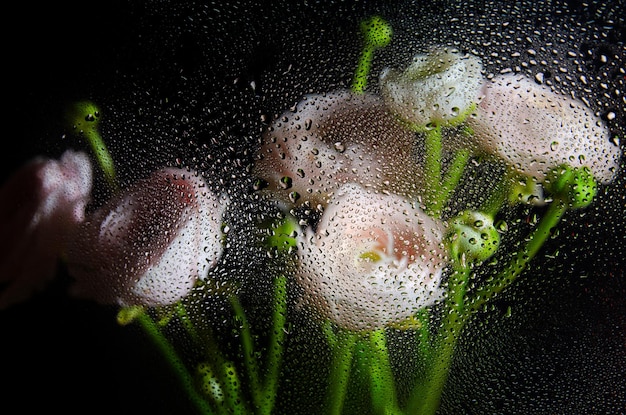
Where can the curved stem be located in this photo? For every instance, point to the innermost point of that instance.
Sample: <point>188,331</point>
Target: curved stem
<point>432,169</point>
<point>340,371</point>
<point>186,380</point>
<point>383,391</point>
<point>276,345</point>
<point>452,177</point>
<point>249,357</point>
<point>425,398</point>
<point>533,244</point>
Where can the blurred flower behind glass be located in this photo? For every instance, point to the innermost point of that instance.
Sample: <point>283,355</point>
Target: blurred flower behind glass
<point>40,206</point>
<point>535,130</point>
<point>374,259</point>
<point>150,243</point>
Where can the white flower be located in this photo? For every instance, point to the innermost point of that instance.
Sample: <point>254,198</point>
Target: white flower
<point>150,244</point>
<point>40,205</point>
<point>437,88</point>
<point>374,260</point>
<point>534,130</point>
<point>333,139</point>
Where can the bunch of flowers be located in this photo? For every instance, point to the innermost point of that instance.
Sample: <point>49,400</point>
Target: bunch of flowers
<point>388,248</point>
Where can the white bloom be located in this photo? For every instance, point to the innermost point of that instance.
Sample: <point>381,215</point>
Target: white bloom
<point>534,130</point>
<point>151,243</point>
<point>437,88</point>
<point>40,205</point>
<point>333,139</point>
<point>374,260</point>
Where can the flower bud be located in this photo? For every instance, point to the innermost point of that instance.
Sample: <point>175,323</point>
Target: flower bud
<point>473,237</point>
<point>40,205</point>
<point>438,88</point>
<point>150,243</point>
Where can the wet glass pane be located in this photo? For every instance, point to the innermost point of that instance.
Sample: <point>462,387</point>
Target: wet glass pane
<point>303,208</point>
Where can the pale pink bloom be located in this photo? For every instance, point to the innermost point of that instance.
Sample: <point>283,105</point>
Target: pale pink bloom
<point>436,88</point>
<point>337,138</point>
<point>150,243</point>
<point>535,129</point>
<point>373,260</point>
<point>40,205</point>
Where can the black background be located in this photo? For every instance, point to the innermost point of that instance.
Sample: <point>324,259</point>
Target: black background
<point>564,348</point>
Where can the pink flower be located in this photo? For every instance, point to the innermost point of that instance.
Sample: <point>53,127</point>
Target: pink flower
<point>150,244</point>
<point>374,259</point>
<point>333,139</point>
<point>40,206</point>
<point>534,130</point>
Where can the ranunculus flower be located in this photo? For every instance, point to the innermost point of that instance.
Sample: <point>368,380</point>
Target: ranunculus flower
<point>534,130</point>
<point>150,243</point>
<point>333,139</point>
<point>437,88</point>
<point>373,260</point>
<point>40,205</point>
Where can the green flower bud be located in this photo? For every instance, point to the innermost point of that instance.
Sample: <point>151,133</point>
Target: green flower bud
<point>575,185</point>
<point>84,116</point>
<point>376,31</point>
<point>473,236</point>
<point>283,235</point>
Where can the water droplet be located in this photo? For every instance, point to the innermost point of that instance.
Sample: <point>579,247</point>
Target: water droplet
<point>286,182</point>
<point>340,147</point>
<point>554,145</point>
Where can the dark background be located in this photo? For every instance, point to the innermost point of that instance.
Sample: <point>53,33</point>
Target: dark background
<point>173,76</point>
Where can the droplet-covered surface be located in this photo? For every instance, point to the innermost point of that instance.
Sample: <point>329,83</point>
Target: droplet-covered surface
<point>184,85</point>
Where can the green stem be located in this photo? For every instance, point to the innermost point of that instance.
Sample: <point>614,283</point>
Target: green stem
<point>103,156</point>
<point>363,67</point>
<point>423,335</point>
<point>232,385</point>
<point>377,34</point>
<point>426,396</point>
<point>186,380</point>
<point>249,356</point>
<point>432,170</point>
<point>383,391</point>
<point>340,371</point>
<point>276,345</point>
<point>533,244</point>
<point>498,196</point>
<point>452,177</point>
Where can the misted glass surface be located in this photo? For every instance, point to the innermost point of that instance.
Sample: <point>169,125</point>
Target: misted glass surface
<point>303,208</point>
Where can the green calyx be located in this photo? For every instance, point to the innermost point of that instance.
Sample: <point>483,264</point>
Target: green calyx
<point>575,185</point>
<point>473,237</point>
<point>282,236</point>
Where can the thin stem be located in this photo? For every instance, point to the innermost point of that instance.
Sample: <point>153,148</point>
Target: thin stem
<point>452,178</point>
<point>423,334</point>
<point>376,34</point>
<point>384,399</point>
<point>276,345</point>
<point>533,244</point>
<point>103,156</point>
<point>426,397</point>
<point>340,371</point>
<point>432,169</point>
<point>247,344</point>
<point>232,385</point>
<point>166,348</point>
